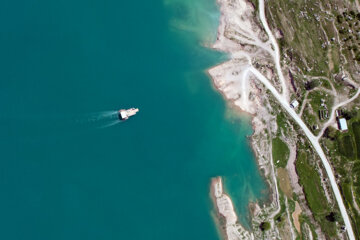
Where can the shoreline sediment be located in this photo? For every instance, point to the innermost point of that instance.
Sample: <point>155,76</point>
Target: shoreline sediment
<point>227,218</point>
<point>245,96</point>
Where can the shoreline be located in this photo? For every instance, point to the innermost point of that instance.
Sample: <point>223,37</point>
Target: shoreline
<point>253,81</point>
<point>239,112</point>
<point>226,217</point>
<point>243,97</point>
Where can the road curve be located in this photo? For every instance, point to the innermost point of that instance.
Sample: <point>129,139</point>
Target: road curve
<point>273,41</point>
<point>314,141</point>
<point>332,116</point>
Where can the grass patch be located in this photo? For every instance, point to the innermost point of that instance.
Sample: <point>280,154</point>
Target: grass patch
<point>317,98</point>
<point>345,146</point>
<point>346,190</point>
<point>301,34</point>
<point>356,130</point>
<point>325,83</point>
<point>304,219</point>
<point>279,218</point>
<point>281,122</point>
<point>310,118</point>
<point>310,180</point>
<point>280,152</point>
<point>346,161</point>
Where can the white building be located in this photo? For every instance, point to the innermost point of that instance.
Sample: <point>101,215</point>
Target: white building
<point>342,124</point>
<point>294,104</point>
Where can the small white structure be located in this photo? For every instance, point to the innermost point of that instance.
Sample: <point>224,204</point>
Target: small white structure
<point>342,124</point>
<point>294,104</point>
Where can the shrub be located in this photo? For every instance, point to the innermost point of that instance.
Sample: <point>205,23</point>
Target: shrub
<point>264,226</point>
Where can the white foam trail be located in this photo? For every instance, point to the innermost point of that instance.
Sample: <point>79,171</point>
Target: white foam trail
<point>97,117</point>
<point>98,120</point>
<point>102,115</point>
<point>111,124</point>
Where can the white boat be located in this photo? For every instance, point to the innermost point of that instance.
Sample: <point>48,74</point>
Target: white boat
<point>124,114</point>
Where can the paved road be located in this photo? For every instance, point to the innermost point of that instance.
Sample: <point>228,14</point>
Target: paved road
<point>314,141</point>
<point>273,41</point>
<point>285,104</point>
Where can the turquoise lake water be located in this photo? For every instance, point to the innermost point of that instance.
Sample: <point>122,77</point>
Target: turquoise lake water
<point>65,66</point>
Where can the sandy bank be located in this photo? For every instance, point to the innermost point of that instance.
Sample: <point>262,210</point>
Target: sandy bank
<point>242,37</point>
<point>225,209</point>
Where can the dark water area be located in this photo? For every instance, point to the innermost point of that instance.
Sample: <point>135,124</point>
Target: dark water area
<point>65,68</point>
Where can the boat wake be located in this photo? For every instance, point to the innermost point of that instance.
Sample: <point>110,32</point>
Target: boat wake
<point>113,123</point>
<point>100,119</point>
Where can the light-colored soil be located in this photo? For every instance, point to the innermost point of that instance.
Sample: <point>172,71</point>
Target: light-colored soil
<point>284,182</point>
<point>225,209</point>
<point>295,217</point>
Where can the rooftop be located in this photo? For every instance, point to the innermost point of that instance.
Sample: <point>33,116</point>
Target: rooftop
<point>342,124</point>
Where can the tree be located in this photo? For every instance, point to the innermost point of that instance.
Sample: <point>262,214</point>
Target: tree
<point>349,114</point>
<point>330,133</point>
<point>332,217</point>
<point>357,58</point>
<point>311,84</point>
<point>264,226</point>
<point>340,19</point>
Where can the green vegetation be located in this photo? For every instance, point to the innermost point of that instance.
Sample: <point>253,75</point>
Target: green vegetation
<point>346,188</point>
<point>280,152</point>
<point>346,146</point>
<point>319,98</point>
<point>310,118</point>
<point>321,39</point>
<point>310,180</point>
<point>305,46</point>
<point>264,226</point>
<point>312,84</point>
<point>318,109</point>
<point>281,216</point>
<point>356,130</point>
<point>348,24</point>
<point>309,177</point>
<point>281,122</point>
<point>304,219</point>
<point>325,83</point>
<point>335,57</point>
<point>346,160</point>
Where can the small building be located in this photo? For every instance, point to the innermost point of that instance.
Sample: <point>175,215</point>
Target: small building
<point>294,104</point>
<point>342,124</point>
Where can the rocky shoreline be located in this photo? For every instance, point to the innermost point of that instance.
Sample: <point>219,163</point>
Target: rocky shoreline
<point>232,80</point>
<point>229,225</point>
